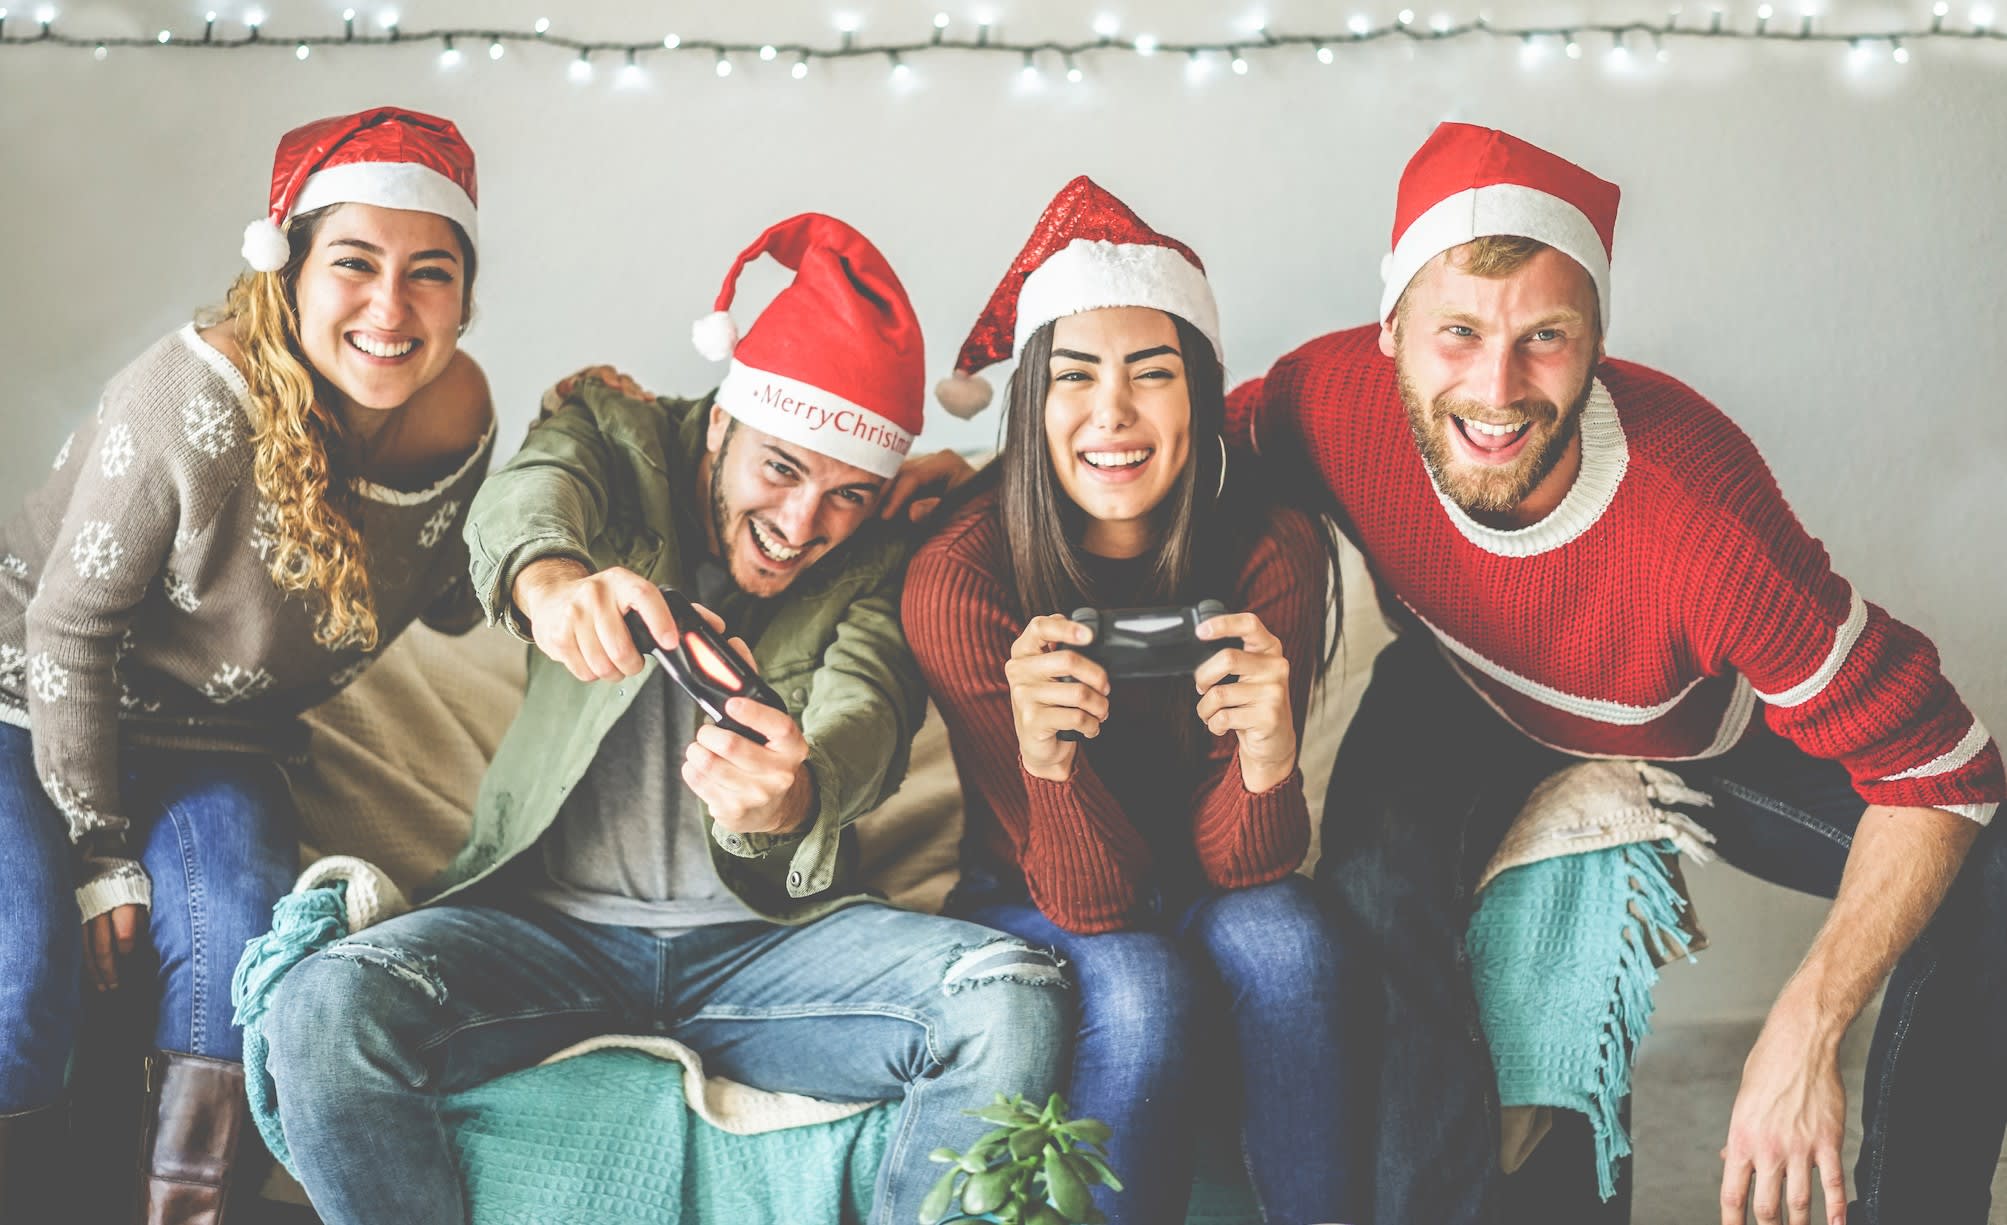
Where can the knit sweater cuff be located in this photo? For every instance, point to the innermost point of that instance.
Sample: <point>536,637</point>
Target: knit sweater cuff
<point>118,882</point>
<point>1083,860</point>
<point>1247,838</point>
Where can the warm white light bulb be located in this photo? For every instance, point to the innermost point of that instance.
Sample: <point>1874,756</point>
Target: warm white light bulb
<point>1406,17</point>
<point>768,52</point>
<point>450,57</point>
<point>387,19</point>
<point>847,23</point>
<point>671,41</point>
<point>1324,55</point>
<point>1440,23</point>
<point>1107,24</point>
<point>254,18</point>
<point>1359,25</point>
<point>1574,50</point>
<point>46,14</point>
<point>165,36</point>
<point>724,65</point>
<point>581,69</point>
<point>1900,55</point>
<point>496,50</point>
<point>940,21</point>
<point>1146,44</point>
<point>1240,65</point>
<point>799,70</point>
<point>543,25</point>
<point>302,51</point>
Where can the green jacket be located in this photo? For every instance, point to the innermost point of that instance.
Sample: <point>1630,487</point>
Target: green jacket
<point>612,481</point>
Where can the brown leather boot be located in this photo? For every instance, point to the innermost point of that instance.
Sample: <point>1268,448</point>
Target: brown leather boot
<point>33,1146</point>
<point>191,1127</point>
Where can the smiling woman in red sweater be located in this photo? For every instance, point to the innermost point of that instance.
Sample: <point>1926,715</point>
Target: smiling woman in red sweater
<point>1158,852</point>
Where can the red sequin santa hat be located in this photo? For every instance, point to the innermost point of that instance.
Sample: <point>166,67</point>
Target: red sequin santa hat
<point>1467,182</point>
<point>388,157</point>
<point>1089,251</point>
<point>835,362</point>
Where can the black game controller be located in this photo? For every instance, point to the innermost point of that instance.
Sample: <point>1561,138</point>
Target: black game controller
<point>709,670</point>
<point>1145,642</point>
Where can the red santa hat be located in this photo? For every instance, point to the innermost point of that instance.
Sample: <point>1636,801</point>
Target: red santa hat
<point>388,157</point>
<point>835,363</point>
<point>1468,182</point>
<point>1089,251</point>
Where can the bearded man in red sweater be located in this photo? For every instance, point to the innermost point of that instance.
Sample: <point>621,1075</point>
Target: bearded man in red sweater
<point>1590,560</point>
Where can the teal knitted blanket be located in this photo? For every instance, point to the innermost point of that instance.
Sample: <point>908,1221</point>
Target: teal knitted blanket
<point>604,1137</point>
<point>607,1137</point>
<point>1561,956</point>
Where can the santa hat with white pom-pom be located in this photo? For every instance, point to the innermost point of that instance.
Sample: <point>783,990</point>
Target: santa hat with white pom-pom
<point>835,362</point>
<point>387,156</point>
<point>1089,251</point>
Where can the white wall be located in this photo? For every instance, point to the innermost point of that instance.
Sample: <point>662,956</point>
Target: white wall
<point>1816,249</point>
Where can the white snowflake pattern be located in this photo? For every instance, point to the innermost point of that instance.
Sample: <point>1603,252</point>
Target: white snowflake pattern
<point>343,677</point>
<point>435,527</point>
<point>211,424</point>
<point>49,679</point>
<point>180,592</point>
<point>63,456</point>
<point>115,454</point>
<point>13,663</point>
<point>13,565</point>
<point>73,804</point>
<point>231,683</point>
<point>264,533</point>
<point>95,551</point>
<point>128,700</point>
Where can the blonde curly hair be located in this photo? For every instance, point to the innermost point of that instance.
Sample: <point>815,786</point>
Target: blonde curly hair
<point>297,441</point>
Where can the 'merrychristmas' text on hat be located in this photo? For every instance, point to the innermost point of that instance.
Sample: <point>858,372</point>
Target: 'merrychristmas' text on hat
<point>835,363</point>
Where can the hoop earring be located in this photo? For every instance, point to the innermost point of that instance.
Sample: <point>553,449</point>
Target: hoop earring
<point>1222,485</point>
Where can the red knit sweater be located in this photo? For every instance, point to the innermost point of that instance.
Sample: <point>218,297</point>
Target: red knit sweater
<point>1085,846</point>
<point>1668,597</point>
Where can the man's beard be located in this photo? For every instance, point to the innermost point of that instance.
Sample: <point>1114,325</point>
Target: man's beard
<point>1492,490</point>
<point>721,515</point>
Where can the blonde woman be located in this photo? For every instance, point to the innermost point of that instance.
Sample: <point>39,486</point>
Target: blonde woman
<point>256,508</point>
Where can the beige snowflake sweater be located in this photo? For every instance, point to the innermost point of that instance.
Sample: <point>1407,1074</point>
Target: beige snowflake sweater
<point>136,606</point>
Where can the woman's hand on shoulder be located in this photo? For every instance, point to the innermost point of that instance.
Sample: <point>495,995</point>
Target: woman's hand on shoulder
<point>1053,689</point>
<point>1255,704</point>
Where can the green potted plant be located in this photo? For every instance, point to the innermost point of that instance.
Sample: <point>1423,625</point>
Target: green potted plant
<point>1036,1168</point>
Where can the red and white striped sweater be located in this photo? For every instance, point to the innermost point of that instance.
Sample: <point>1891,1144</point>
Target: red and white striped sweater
<point>1669,596</point>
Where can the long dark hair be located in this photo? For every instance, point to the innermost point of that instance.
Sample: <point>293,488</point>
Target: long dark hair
<point>1205,532</point>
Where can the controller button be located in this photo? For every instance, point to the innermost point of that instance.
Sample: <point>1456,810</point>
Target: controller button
<point>731,842</point>
<point>794,880</point>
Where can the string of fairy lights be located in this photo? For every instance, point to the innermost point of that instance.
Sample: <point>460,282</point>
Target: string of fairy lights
<point>980,34</point>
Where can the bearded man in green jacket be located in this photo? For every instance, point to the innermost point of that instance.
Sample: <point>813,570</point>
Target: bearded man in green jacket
<point>632,871</point>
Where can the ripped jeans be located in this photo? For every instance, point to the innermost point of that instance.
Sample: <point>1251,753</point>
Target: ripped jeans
<point>866,1004</point>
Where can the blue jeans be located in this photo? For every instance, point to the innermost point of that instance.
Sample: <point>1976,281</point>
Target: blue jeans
<point>865,1004</point>
<point>1247,982</point>
<point>1424,786</point>
<point>215,831</point>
